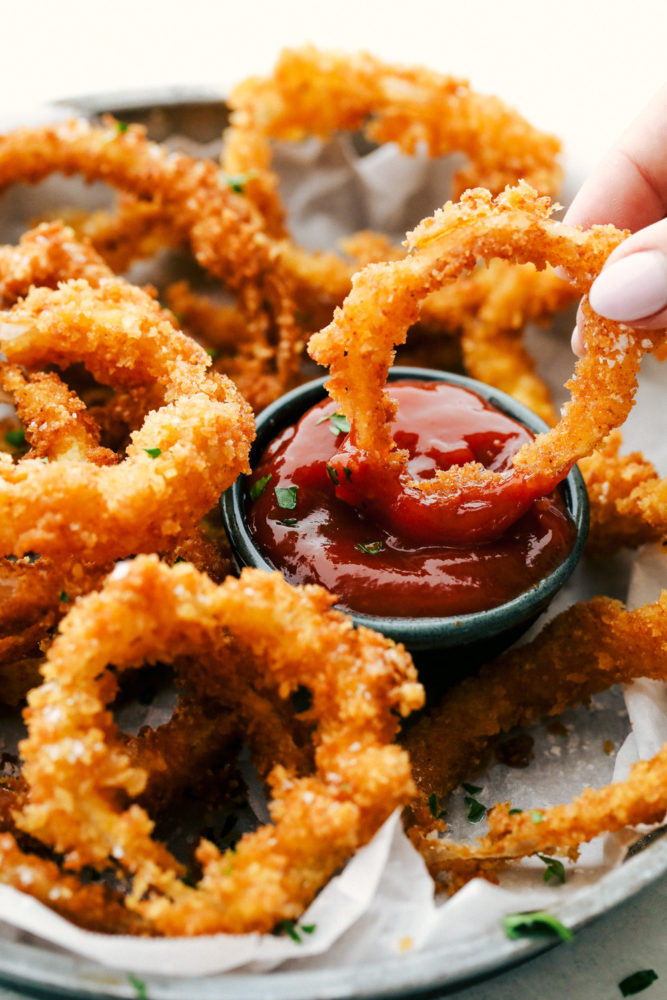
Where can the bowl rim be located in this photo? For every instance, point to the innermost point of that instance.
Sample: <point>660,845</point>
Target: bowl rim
<point>433,632</point>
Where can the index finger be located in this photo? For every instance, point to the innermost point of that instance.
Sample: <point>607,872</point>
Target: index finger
<point>629,187</point>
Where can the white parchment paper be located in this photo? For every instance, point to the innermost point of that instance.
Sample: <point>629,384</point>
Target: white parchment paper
<point>383,903</point>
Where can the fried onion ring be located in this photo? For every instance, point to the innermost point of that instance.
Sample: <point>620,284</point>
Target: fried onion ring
<point>623,492</point>
<point>178,462</point>
<point>283,637</point>
<point>319,93</point>
<point>411,107</point>
<point>585,650</point>
<point>224,231</point>
<point>469,501</point>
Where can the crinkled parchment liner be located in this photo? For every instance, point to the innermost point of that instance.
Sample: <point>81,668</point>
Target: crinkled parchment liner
<point>383,904</point>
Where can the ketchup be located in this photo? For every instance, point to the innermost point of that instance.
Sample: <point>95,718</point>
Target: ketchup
<point>314,536</point>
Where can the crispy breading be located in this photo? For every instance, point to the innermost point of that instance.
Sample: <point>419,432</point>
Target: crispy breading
<point>284,637</point>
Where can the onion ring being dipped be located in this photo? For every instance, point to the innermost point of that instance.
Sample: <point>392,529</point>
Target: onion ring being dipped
<point>469,502</point>
<point>270,636</point>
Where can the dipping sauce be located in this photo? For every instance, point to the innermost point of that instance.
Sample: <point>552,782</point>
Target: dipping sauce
<point>311,536</point>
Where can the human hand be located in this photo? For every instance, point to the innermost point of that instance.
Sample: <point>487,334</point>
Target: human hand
<point>629,189</point>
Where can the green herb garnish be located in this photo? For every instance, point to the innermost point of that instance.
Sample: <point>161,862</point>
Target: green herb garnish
<point>64,598</point>
<point>476,811</point>
<point>370,548</point>
<point>179,559</point>
<point>237,181</point>
<point>287,927</point>
<point>555,869</point>
<point>153,452</point>
<point>258,487</point>
<point>16,439</point>
<point>213,352</point>
<point>348,473</point>
<point>292,929</point>
<point>141,992</point>
<point>333,475</point>
<point>434,806</point>
<point>122,127</point>
<point>536,816</point>
<point>286,497</point>
<point>637,982</point>
<point>338,423</point>
<point>535,924</point>
<point>289,522</point>
<point>472,789</point>
<point>515,812</point>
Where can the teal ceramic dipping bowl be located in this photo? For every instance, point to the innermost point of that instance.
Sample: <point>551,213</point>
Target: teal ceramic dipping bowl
<point>469,638</point>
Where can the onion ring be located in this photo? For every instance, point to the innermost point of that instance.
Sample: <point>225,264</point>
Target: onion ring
<point>358,347</point>
<point>623,491</point>
<point>284,637</point>
<point>585,650</point>
<point>224,231</point>
<point>178,462</point>
<point>319,93</point>
<point>93,906</point>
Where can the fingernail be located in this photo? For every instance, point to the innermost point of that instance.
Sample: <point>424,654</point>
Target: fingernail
<point>633,287</point>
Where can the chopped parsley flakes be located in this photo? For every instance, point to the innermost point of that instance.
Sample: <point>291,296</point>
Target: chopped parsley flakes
<point>237,182</point>
<point>370,548</point>
<point>258,487</point>
<point>16,439</point>
<point>434,806</point>
<point>539,923</point>
<point>333,475</point>
<point>555,869</point>
<point>637,982</point>
<point>140,990</point>
<point>292,930</point>
<point>153,452</point>
<point>286,497</point>
<point>476,811</point>
<point>338,423</point>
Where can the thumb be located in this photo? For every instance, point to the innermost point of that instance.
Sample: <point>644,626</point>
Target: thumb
<point>632,286</point>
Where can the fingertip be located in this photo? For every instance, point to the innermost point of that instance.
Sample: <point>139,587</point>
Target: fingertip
<point>564,275</point>
<point>633,288</point>
<point>577,341</point>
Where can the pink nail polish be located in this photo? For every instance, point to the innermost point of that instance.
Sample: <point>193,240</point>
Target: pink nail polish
<point>633,287</point>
